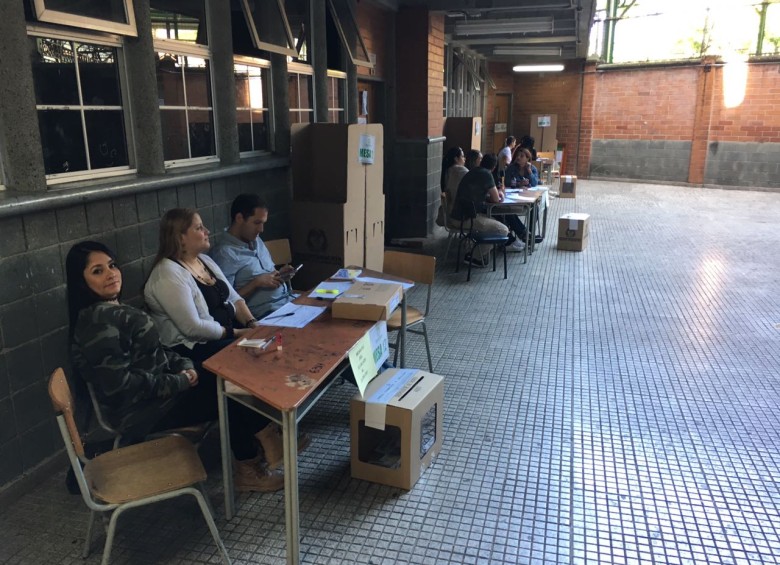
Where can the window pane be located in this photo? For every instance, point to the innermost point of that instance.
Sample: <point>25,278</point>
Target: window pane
<point>174,129</point>
<point>250,87</point>
<point>63,141</point>
<point>198,81</point>
<point>349,32</point>
<point>268,26</point>
<point>292,91</point>
<point>244,121</point>
<point>183,21</point>
<point>260,130</point>
<point>54,73</point>
<point>107,139</point>
<point>170,84</point>
<point>99,75</point>
<point>110,10</point>
<point>202,142</point>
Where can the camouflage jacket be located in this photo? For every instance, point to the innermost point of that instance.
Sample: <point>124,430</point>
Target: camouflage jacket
<point>117,349</point>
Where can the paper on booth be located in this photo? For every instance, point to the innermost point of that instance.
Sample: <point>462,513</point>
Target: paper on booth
<point>376,405</point>
<point>368,354</point>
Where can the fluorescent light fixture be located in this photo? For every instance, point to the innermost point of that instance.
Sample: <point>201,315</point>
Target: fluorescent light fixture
<point>537,68</point>
<point>495,27</point>
<point>541,51</point>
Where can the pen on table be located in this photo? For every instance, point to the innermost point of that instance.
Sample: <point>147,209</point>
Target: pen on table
<point>268,342</point>
<point>279,316</point>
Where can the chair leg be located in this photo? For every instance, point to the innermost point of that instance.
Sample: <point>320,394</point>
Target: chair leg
<point>504,261</point>
<point>495,256</point>
<point>427,346</point>
<point>88,541</point>
<point>395,355</point>
<point>204,508</point>
<point>457,259</point>
<point>110,535</point>
<point>468,276</point>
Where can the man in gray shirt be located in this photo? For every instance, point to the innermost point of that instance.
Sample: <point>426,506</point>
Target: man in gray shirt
<point>245,260</point>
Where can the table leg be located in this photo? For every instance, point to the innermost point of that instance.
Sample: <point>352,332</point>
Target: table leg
<point>291,501</point>
<point>544,222</point>
<point>402,332</point>
<point>227,456</point>
<point>529,234</point>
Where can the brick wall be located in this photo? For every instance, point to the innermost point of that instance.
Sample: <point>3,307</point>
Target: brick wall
<point>33,304</point>
<point>657,122</point>
<point>435,74</point>
<point>373,21</point>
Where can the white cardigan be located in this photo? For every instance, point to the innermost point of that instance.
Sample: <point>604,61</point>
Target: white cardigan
<point>177,305</point>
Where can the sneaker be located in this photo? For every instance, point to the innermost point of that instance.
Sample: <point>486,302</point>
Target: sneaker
<point>251,475</point>
<point>516,245</point>
<point>539,239</point>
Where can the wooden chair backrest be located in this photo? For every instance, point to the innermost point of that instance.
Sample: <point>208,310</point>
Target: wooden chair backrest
<point>412,266</point>
<point>279,250</point>
<point>62,399</point>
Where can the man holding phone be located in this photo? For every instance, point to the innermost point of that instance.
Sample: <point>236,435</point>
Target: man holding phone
<point>246,261</point>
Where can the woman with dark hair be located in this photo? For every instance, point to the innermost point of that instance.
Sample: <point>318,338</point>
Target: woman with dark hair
<point>473,159</point>
<point>452,171</point>
<point>141,386</point>
<point>196,310</point>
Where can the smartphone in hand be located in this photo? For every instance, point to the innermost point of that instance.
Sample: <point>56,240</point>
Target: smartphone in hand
<point>290,274</point>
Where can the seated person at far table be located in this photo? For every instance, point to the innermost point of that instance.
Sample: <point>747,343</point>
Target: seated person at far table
<point>478,187</point>
<point>245,260</point>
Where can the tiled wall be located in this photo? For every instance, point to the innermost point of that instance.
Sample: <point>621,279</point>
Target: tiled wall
<point>731,163</point>
<point>415,200</point>
<point>640,159</point>
<point>33,305</point>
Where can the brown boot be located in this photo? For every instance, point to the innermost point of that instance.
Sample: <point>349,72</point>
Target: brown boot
<point>252,475</point>
<point>270,438</point>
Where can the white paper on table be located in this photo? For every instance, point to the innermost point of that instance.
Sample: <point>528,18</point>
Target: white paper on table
<point>330,290</point>
<point>375,280</point>
<point>292,316</point>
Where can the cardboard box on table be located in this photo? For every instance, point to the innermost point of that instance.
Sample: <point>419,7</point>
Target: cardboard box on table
<point>396,427</point>
<point>336,197</point>
<point>368,301</point>
<point>568,186</point>
<point>573,232</point>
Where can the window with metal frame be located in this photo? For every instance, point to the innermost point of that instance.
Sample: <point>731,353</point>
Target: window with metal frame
<point>336,86</point>
<point>186,109</point>
<point>299,85</point>
<point>79,101</point>
<point>182,21</point>
<point>268,26</point>
<point>346,25</point>
<point>252,101</point>
<point>112,16</point>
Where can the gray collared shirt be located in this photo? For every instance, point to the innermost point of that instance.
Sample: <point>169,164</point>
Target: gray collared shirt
<point>241,262</point>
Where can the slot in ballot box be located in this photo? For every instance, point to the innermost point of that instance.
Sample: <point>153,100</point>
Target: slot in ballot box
<point>396,427</point>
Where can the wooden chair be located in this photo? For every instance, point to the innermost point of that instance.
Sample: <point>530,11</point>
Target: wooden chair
<point>420,269</point>
<point>130,476</point>
<point>467,214</point>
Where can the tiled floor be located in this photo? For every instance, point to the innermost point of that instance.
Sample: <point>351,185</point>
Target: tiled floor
<point>618,405</point>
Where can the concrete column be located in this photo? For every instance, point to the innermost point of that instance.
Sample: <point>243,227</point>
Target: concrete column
<point>281,104</point>
<point>20,140</point>
<point>352,94</point>
<point>142,94</point>
<point>700,140</point>
<point>318,52</point>
<point>221,44</point>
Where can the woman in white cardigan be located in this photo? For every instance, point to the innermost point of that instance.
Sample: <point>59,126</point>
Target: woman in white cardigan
<point>198,313</point>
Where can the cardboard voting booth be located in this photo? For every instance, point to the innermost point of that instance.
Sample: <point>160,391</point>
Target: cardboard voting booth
<point>568,186</point>
<point>396,427</point>
<point>573,231</point>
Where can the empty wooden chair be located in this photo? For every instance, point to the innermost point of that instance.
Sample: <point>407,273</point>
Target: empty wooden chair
<point>129,476</point>
<point>420,269</point>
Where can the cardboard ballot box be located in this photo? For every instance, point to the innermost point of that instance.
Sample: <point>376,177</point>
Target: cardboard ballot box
<point>396,427</point>
<point>568,186</point>
<point>573,232</point>
<point>368,301</point>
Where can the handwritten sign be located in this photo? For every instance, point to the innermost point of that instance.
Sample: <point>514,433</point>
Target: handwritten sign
<point>543,121</point>
<point>368,354</point>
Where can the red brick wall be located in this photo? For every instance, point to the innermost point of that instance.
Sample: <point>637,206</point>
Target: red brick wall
<point>374,22</point>
<point>757,119</point>
<point>420,79</point>
<point>649,104</point>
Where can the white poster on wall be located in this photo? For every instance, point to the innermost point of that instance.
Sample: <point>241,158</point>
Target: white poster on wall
<point>544,121</point>
<point>366,149</point>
